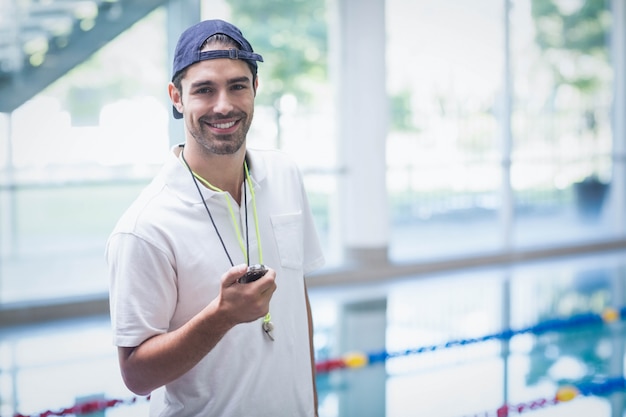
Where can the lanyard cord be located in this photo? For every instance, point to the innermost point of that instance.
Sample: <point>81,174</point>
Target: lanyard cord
<point>268,317</point>
<point>254,212</point>
<point>193,177</point>
<point>246,249</point>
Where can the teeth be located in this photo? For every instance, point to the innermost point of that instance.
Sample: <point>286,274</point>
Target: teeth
<point>223,125</point>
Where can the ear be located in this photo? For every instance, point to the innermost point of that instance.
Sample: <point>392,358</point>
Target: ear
<point>175,96</point>
<point>256,84</point>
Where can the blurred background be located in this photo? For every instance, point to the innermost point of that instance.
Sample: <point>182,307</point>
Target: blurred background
<point>465,162</point>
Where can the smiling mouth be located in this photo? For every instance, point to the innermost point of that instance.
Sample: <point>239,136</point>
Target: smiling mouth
<point>222,125</point>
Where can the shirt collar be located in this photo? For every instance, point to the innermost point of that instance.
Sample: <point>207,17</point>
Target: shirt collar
<point>178,178</point>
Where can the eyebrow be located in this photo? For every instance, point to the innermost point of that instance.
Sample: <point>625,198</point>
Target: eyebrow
<point>231,81</point>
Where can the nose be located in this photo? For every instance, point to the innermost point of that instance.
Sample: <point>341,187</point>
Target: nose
<point>222,104</point>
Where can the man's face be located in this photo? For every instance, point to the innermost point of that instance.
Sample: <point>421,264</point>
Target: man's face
<point>218,104</point>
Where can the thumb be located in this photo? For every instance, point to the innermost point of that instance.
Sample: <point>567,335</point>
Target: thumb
<point>233,274</point>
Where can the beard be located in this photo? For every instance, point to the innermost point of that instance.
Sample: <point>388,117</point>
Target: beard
<point>217,144</point>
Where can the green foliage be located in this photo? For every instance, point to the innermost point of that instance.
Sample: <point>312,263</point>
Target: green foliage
<point>584,30</point>
<point>291,35</point>
<point>571,34</point>
<point>401,111</point>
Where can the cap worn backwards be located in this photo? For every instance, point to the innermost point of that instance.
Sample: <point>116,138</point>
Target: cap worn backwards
<point>189,47</point>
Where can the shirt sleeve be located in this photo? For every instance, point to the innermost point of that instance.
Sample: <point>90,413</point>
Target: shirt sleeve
<point>143,290</point>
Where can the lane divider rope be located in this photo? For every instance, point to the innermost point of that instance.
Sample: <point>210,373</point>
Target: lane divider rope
<point>361,359</point>
<point>353,360</point>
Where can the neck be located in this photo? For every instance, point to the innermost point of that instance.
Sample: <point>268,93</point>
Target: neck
<point>221,171</point>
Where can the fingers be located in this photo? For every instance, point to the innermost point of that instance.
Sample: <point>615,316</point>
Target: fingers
<point>233,274</point>
<point>267,286</point>
<point>247,301</point>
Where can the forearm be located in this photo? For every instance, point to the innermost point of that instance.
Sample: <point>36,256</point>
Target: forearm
<point>165,357</point>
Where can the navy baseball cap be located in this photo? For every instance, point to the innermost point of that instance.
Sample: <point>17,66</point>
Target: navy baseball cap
<point>188,49</point>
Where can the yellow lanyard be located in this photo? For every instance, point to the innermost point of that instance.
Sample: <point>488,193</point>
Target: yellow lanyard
<point>267,324</point>
<point>233,217</point>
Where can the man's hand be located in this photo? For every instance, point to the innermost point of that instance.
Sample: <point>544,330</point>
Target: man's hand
<point>165,357</point>
<point>246,302</point>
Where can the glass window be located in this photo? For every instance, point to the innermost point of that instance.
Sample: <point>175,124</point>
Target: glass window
<point>444,79</point>
<point>80,152</point>
<point>562,137</point>
<point>449,155</point>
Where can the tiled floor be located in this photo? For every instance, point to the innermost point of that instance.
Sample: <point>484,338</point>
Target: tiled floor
<point>49,367</point>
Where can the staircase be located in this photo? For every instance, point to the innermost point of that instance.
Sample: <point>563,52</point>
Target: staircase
<point>41,40</point>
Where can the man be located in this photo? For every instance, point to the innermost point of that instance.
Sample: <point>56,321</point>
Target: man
<point>189,330</point>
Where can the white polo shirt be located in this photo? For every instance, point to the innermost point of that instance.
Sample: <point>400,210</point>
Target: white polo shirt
<point>166,261</point>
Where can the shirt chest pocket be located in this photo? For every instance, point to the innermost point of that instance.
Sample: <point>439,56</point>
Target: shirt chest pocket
<point>289,240</point>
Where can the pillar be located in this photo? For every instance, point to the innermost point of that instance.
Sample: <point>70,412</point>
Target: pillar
<point>357,48</point>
